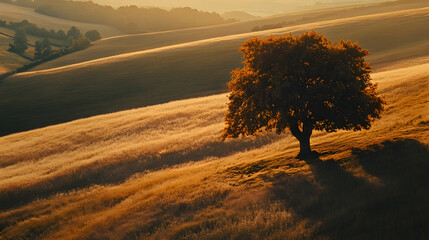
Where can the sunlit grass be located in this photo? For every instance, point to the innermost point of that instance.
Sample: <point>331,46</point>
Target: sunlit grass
<point>162,172</point>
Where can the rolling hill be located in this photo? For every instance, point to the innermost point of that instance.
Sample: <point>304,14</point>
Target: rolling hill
<point>40,98</point>
<point>162,172</point>
<point>138,42</point>
<point>9,12</point>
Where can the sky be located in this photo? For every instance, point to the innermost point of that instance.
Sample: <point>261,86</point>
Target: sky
<point>255,7</point>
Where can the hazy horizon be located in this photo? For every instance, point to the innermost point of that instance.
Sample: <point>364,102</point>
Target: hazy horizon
<point>255,7</point>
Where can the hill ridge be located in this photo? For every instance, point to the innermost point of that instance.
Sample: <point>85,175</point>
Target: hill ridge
<point>227,38</point>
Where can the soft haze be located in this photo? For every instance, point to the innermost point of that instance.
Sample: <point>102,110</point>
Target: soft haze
<point>256,7</point>
<point>120,137</point>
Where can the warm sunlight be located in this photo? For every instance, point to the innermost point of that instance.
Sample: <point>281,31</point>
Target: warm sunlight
<point>133,122</point>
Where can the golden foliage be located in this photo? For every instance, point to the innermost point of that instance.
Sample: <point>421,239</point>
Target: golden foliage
<point>301,83</point>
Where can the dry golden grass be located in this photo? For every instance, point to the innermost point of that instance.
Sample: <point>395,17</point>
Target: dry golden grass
<point>161,172</point>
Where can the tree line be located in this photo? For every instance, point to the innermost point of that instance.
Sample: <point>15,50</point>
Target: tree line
<point>46,55</point>
<point>77,45</point>
<point>43,49</point>
<point>131,19</point>
<point>33,29</point>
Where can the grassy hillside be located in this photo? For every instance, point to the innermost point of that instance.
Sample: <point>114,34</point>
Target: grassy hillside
<point>138,42</point>
<point>161,172</point>
<point>41,98</point>
<point>9,12</point>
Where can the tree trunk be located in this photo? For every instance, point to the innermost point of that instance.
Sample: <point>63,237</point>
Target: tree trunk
<point>304,140</point>
<point>304,146</point>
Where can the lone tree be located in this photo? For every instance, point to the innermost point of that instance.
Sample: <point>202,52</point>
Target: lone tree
<point>301,83</point>
<point>20,41</point>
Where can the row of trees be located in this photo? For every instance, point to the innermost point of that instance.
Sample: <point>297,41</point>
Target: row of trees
<point>131,19</point>
<point>34,30</point>
<point>30,28</point>
<point>77,45</point>
<point>43,48</point>
<point>74,33</point>
<point>44,51</point>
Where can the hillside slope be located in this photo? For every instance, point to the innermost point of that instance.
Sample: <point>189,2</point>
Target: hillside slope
<point>162,172</point>
<point>9,12</point>
<point>41,98</point>
<point>138,42</point>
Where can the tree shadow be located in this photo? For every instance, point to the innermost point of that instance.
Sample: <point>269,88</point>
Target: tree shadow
<point>350,207</point>
<point>402,163</point>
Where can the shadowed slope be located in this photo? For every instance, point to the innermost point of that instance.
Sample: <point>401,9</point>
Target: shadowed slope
<point>374,180</point>
<point>391,206</point>
<point>51,96</point>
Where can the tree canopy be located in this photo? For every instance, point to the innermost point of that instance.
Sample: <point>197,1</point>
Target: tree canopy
<point>93,35</point>
<point>301,83</point>
<point>74,33</point>
<point>42,49</point>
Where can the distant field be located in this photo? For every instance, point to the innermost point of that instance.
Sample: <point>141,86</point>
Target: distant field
<point>8,60</point>
<point>138,42</point>
<point>161,172</point>
<point>15,13</point>
<point>181,71</point>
